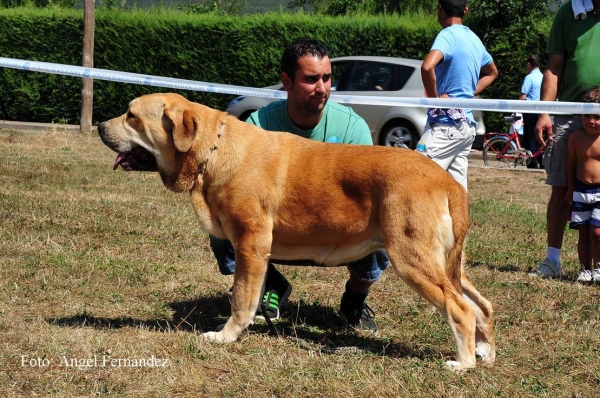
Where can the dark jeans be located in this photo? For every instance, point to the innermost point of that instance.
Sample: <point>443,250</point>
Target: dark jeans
<point>529,141</point>
<point>369,268</point>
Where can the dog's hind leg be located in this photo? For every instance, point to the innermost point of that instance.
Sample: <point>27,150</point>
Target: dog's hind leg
<point>251,255</point>
<point>485,346</point>
<point>425,273</point>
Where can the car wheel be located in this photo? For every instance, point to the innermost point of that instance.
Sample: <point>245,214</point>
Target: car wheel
<point>399,132</point>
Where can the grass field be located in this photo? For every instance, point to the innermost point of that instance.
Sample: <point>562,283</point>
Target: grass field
<point>106,282</point>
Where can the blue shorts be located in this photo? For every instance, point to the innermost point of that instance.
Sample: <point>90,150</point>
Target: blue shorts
<point>585,208</point>
<point>368,269</point>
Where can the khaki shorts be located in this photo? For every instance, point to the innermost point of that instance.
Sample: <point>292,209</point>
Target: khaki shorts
<point>555,155</point>
<point>449,146</point>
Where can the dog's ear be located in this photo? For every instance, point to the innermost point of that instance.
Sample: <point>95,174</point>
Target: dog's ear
<point>184,128</point>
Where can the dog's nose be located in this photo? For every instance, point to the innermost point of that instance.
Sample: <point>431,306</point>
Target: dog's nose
<point>101,128</point>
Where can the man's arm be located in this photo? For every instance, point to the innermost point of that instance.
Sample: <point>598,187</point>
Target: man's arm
<point>525,87</point>
<point>487,75</point>
<point>428,72</point>
<point>552,77</point>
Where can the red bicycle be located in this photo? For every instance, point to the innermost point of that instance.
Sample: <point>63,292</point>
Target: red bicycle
<point>506,147</point>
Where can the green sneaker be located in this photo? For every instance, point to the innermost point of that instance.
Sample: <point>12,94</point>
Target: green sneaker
<point>277,291</point>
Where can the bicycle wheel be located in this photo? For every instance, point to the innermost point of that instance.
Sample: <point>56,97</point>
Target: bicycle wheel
<point>496,148</point>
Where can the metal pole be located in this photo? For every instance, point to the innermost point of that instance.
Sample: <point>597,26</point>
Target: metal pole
<point>87,92</point>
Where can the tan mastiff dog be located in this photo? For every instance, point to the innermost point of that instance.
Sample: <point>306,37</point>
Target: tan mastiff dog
<point>276,195</point>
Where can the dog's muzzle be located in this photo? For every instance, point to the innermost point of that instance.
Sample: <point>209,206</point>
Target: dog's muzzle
<point>134,159</point>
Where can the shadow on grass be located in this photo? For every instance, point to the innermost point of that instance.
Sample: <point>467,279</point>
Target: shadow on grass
<point>314,326</point>
<point>203,314</point>
<point>567,277</point>
<point>497,267</point>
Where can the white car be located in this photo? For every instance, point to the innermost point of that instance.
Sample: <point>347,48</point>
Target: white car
<point>372,76</point>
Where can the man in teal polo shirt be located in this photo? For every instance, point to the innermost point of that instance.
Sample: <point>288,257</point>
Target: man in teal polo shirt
<point>306,76</point>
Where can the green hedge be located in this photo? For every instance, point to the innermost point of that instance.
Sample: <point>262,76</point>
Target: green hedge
<point>231,50</point>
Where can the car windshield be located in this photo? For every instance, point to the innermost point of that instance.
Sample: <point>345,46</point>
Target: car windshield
<point>369,76</point>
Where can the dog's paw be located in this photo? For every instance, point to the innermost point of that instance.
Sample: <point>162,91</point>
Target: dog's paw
<point>456,366</point>
<point>484,352</point>
<point>219,337</point>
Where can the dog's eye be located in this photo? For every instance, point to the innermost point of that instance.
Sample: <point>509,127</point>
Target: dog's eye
<point>130,115</point>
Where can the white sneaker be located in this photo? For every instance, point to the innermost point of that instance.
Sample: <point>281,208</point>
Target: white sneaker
<point>585,275</point>
<point>548,269</point>
<point>596,275</point>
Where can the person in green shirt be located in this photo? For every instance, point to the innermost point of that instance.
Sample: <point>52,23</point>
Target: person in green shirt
<point>307,112</point>
<point>571,71</point>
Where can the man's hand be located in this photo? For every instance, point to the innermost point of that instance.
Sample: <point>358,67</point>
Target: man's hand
<point>549,92</point>
<point>544,124</point>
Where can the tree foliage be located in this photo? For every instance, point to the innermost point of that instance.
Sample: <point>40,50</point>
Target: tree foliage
<point>222,7</point>
<point>510,30</point>
<point>37,3</point>
<point>370,7</point>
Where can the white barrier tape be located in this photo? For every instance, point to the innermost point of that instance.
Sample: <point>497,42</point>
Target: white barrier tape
<point>508,106</point>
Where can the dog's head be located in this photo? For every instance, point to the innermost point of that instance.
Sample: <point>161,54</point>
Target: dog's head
<point>157,133</point>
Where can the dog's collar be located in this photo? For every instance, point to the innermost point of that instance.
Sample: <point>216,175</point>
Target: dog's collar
<point>202,166</point>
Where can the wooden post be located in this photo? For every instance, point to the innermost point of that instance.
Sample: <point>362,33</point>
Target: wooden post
<point>87,92</point>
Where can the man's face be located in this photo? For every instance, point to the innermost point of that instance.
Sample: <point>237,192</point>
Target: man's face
<point>311,88</point>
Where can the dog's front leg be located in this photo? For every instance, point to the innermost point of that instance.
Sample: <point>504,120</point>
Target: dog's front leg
<point>250,272</point>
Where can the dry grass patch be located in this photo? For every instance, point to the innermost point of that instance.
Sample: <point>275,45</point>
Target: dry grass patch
<point>111,270</point>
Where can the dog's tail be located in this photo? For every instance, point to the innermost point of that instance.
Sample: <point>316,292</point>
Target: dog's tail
<point>458,206</point>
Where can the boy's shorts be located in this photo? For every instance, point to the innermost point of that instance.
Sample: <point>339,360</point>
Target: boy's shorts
<point>585,208</point>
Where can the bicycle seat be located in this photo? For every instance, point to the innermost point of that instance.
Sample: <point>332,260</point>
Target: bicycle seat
<point>512,118</point>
